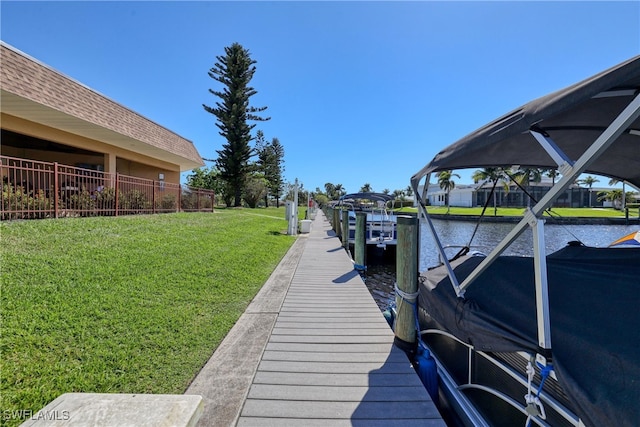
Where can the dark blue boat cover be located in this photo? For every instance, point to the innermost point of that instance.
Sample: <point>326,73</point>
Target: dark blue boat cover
<point>594,297</point>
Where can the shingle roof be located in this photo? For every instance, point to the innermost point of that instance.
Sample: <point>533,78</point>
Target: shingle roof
<point>29,79</point>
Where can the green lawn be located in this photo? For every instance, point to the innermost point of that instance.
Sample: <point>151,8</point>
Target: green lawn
<point>131,304</point>
<point>562,212</point>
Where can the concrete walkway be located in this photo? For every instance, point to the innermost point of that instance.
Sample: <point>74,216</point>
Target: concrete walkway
<point>312,349</point>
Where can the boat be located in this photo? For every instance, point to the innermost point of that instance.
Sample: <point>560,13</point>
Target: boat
<point>550,339</point>
<point>380,228</point>
<point>630,240</point>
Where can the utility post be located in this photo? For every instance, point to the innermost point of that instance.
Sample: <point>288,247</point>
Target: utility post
<point>293,212</point>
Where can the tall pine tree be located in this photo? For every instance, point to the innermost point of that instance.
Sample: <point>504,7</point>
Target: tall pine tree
<point>234,70</point>
<point>271,164</point>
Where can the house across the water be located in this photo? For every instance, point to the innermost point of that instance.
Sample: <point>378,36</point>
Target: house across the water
<point>472,195</point>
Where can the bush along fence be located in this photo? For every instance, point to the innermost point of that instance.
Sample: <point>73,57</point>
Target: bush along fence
<point>33,189</point>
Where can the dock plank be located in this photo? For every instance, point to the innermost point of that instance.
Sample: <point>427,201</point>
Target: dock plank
<point>337,379</point>
<point>297,422</point>
<point>325,339</point>
<point>334,367</point>
<point>330,322</point>
<point>312,330</point>
<point>312,356</point>
<point>339,409</point>
<point>336,393</point>
<point>329,348</point>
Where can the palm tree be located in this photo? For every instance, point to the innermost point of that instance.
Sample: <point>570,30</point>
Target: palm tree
<point>366,188</point>
<point>613,182</point>
<point>525,176</point>
<point>494,175</point>
<point>588,181</point>
<point>334,191</point>
<point>615,196</point>
<point>446,183</point>
<point>330,190</point>
<point>553,174</point>
<point>408,191</point>
<point>398,195</point>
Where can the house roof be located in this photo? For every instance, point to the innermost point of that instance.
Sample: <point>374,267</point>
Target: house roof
<point>36,92</point>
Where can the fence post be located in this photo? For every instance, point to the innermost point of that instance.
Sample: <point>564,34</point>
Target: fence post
<point>407,283</point>
<point>153,196</point>
<point>198,200</point>
<point>179,207</point>
<point>56,187</point>
<point>116,196</point>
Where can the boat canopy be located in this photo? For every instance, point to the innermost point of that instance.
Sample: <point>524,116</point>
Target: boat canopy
<point>590,127</point>
<point>572,118</point>
<point>376,197</point>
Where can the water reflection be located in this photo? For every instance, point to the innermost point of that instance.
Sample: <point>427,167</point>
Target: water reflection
<point>381,277</point>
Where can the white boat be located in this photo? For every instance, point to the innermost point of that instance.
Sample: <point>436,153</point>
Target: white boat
<point>380,226</point>
<point>548,340</point>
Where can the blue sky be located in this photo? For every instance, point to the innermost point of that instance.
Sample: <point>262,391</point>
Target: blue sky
<point>358,92</point>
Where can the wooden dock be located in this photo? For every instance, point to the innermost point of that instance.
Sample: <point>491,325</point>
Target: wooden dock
<point>329,359</point>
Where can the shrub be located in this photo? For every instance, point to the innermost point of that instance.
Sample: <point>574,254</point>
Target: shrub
<point>18,199</point>
<point>134,201</point>
<point>189,201</point>
<point>82,201</point>
<point>105,199</point>
<point>168,202</point>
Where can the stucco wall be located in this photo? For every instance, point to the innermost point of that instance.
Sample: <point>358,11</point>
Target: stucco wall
<point>128,162</point>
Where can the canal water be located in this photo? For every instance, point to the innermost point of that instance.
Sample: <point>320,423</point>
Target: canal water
<point>381,276</point>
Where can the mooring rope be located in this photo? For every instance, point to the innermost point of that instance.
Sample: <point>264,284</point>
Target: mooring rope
<point>408,297</point>
<point>411,299</point>
<point>534,407</point>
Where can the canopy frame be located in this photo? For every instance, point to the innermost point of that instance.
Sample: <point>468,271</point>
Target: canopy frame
<point>533,217</point>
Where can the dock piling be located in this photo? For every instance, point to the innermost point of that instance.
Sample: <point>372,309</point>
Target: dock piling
<point>336,222</point>
<point>345,229</point>
<point>360,244</point>
<point>407,283</point>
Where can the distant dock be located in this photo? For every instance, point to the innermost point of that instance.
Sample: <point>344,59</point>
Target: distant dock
<point>313,349</point>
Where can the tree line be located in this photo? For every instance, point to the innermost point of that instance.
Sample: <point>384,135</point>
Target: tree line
<point>523,177</point>
<point>335,191</point>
